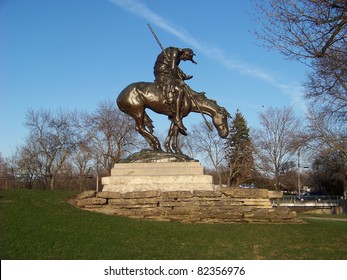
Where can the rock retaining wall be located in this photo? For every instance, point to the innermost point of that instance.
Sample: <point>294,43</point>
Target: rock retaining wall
<point>226,205</point>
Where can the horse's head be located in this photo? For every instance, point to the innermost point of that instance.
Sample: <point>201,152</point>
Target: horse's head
<point>220,121</point>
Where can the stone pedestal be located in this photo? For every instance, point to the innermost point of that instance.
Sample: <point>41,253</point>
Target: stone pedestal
<point>157,176</point>
<point>224,205</point>
<point>169,187</point>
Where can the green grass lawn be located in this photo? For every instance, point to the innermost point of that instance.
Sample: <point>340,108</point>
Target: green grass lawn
<point>41,225</point>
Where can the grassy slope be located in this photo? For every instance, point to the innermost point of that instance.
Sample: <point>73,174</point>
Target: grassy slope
<point>41,225</point>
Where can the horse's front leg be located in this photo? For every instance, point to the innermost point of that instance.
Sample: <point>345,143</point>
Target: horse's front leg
<point>168,139</point>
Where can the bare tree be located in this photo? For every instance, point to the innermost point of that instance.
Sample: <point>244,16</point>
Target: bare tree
<point>322,134</point>
<point>273,142</point>
<point>326,87</point>
<point>83,159</point>
<point>25,162</point>
<point>313,32</point>
<point>54,139</point>
<point>302,29</point>
<point>111,134</point>
<point>5,173</point>
<point>63,143</point>
<point>211,146</point>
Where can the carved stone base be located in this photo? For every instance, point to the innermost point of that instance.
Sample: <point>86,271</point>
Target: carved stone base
<point>157,176</point>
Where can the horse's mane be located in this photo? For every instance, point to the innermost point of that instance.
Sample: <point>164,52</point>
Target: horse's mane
<point>201,98</point>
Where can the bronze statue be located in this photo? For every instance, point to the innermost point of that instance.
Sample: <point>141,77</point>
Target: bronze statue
<point>171,96</point>
<point>137,97</point>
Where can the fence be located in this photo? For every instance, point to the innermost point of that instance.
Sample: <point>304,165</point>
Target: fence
<point>74,182</point>
<point>337,204</point>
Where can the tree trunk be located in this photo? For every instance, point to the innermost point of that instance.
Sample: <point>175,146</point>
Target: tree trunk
<point>52,183</point>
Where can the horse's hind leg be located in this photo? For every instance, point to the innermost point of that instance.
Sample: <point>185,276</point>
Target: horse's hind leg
<point>148,122</point>
<point>175,145</point>
<point>150,138</point>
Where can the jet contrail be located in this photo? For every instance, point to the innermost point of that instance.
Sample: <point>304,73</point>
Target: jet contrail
<point>140,10</point>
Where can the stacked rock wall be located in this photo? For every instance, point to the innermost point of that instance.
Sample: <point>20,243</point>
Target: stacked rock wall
<point>226,205</point>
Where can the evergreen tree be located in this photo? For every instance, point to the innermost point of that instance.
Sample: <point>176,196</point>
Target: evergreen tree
<point>329,172</point>
<point>239,152</point>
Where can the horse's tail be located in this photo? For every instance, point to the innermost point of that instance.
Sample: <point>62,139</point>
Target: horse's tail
<point>148,122</point>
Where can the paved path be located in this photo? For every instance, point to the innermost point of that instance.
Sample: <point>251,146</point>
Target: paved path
<point>325,219</point>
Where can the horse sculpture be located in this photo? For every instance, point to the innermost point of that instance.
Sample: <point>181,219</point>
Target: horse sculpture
<point>137,97</point>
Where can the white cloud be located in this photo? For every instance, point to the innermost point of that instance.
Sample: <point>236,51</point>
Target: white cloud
<point>140,10</point>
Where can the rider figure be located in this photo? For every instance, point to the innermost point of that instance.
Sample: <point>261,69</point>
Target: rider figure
<point>170,78</point>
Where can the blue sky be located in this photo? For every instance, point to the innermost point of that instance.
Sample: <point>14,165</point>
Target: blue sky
<point>74,54</point>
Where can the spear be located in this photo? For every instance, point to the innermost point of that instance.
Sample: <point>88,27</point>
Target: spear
<point>191,95</point>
